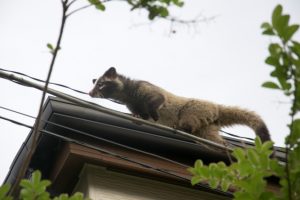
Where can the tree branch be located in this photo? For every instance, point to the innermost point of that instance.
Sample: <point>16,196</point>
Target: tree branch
<point>78,9</point>
<point>26,163</point>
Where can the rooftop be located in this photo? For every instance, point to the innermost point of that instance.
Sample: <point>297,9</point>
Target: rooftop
<point>72,135</point>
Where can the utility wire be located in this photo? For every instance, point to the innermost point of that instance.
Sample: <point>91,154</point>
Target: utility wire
<point>16,122</point>
<point>17,112</point>
<point>42,81</point>
<point>88,135</point>
<point>14,111</point>
<point>116,155</point>
<point>237,136</point>
<point>102,109</point>
<point>57,84</point>
<point>101,149</point>
<point>80,132</point>
<point>81,92</point>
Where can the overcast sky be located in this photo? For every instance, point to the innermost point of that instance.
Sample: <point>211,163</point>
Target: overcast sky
<point>221,60</point>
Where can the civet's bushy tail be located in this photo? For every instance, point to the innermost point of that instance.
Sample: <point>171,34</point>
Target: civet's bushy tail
<point>233,115</point>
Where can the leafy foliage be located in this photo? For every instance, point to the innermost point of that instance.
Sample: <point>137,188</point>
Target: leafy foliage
<point>3,192</point>
<point>98,4</point>
<point>247,176</point>
<point>35,188</point>
<point>156,8</point>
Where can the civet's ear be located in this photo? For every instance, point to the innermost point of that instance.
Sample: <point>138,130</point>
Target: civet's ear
<point>94,80</point>
<point>111,73</point>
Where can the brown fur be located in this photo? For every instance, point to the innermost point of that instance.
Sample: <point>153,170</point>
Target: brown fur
<point>198,117</point>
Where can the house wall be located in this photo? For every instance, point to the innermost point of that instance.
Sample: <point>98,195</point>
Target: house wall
<point>100,184</point>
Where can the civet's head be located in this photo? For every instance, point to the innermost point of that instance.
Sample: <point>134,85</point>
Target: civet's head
<point>108,85</point>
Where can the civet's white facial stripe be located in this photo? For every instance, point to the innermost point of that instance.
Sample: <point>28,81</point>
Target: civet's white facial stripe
<point>94,92</point>
<point>101,87</point>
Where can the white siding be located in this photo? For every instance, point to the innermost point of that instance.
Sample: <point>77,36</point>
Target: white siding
<point>100,184</point>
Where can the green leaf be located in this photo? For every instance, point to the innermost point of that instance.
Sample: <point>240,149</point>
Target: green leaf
<point>274,61</point>
<point>277,168</point>
<point>276,14</point>
<point>266,25</point>
<point>267,146</point>
<point>293,138</point>
<point>296,48</point>
<point>98,4</point>
<point>192,170</point>
<point>275,49</point>
<point>3,192</point>
<point>268,32</point>
<point>279,21</point>
<point>26,184</point>
<point>258,142</point>
<point>291,30</point>
<point>239,154</point>
<point>204,171</point>
<point>178,3</point>
<point>198,164</point>
<point>241,195</point>
<point>253,157</point>
<point>163,12</point>
<point>76,196</point>
<point>225,185</point>
<point>50,46</point>
<point>267,195</point>
<point>268,29</point>
<point>36,177</point>
<point>270,85</point>
<point>196,179</point>
<point>282,25</point>
<point>213,183</point>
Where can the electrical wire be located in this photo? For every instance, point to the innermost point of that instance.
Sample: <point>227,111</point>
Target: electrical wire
<point>89,135</point>
<point>116,155</point>
<point>57,84</point>
<point>16,122</point>
<point>39,80</point>
<point>17,112</point>
<point>26,115</point>
<point>101,149</point>
<point>81,92</point>
<point>236,136</point>
<point>112,154</point>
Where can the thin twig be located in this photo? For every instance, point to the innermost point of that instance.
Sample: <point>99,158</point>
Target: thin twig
<point>177,21</point>
<point>78,9</point>
<point>71,3</point>
<point>84,7</point>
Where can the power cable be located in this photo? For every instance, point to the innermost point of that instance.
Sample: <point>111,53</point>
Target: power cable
<point>16,122</point>
<point>26,115</point>
<point>101,149</point>
<point>17,112</point>
<point>42,81</point>
<point>91,136</point>
<point>237,136</point>
<point>57,84</point>
<point>116,155</point>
